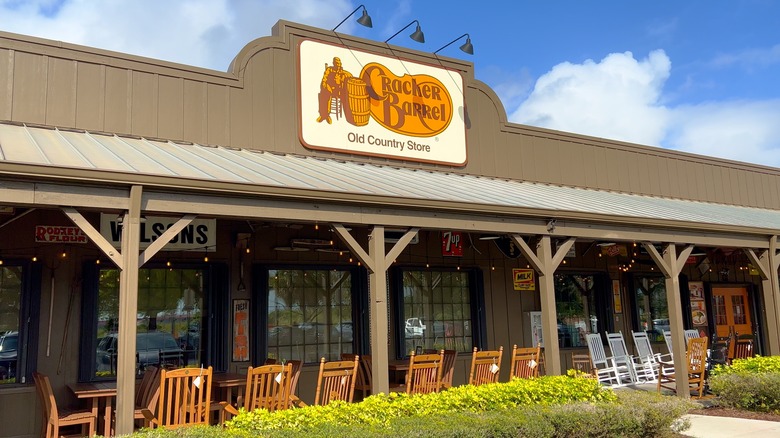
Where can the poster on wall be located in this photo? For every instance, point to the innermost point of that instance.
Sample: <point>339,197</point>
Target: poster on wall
<point>240,330</point>
<point>616,301</point>
<point>698,307</point>
<point>364,103</point>
<point>536,328</point>
<point>451,244</point>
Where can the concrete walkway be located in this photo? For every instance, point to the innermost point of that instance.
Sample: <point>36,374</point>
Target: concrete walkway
<point>706,426</point>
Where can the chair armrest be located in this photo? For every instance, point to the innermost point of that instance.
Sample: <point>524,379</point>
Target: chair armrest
<point>296,402</point>
<point>149,416</point>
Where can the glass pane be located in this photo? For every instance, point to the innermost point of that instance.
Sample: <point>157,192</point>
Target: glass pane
<point>738,309</point>
<point>437,312</point>
<point>168,322</point>
<point>576,307</point>
<point>652,309</point>
<point>719,309</point>
<point>309,314</point>
<point>10,306</point>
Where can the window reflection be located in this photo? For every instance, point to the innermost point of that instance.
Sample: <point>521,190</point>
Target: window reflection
<point>437,311</point>
<point>575,303</point>
<point>309,314</point>
<point>168,322</point>
<point>653,312</point>
<point>10,307</point>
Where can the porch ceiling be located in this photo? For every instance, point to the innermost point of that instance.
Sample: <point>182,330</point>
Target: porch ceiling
<point>92,156</point>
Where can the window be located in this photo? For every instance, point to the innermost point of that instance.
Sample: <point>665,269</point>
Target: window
<point>169,321</point>
<point>436,310</point>
<point>309,314</point>
<point>581,306</point>
<point>18,302</point>
<point>652,310</point>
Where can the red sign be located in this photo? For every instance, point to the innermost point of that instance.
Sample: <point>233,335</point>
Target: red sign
<point>451,244</point>
<point>59,234</point>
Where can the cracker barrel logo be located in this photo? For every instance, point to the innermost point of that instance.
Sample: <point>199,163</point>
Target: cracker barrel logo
<point>415,105</point>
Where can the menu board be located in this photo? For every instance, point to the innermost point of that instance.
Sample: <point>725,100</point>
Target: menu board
<point>698,307</point>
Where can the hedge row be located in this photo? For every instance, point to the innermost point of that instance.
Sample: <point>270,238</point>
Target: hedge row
<point>752,384</point>
<point>631,414</point>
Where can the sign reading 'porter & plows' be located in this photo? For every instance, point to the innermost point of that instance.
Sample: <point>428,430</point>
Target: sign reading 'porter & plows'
<point>362,103</point>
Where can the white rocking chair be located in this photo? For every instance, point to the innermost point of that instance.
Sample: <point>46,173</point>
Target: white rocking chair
<point>605,369</point>
<point>623,360</point>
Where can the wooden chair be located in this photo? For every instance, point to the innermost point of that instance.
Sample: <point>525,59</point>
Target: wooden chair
<point>448,368</point>
<point>581,362</point>
<point>267,387</point>
<point>147,394</point>
<point>525,362</point>
<point>336,381</point>
<point>55,418</point>
<point>365,376</point>
<point>296,374</point>
<point>184,400</point>
<point>743,347</point>
<point>696,363</point>
<point>485,366</point>
<point>424,375</point>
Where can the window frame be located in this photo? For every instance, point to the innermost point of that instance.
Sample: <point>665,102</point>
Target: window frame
<point>260,293</point>
<point>215,333</point>
<point>29,320</point>
<point>476,304</point>
<point>604,302</point>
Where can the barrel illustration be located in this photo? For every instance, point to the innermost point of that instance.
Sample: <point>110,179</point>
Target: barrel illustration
<point>358,101</point>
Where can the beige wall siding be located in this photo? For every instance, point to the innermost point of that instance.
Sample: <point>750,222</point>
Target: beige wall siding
<point>258,108</point>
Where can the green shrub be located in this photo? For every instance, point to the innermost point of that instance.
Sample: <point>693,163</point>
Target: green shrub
<point>758,364</point>
<point>635,414</point>
<point>750,391</point>
<point>379,410</point>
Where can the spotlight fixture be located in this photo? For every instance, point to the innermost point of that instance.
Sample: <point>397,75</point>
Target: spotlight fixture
<point>489,237</point>
<point>364,19</point>
<point>466,47</point>
<point>417,35</point>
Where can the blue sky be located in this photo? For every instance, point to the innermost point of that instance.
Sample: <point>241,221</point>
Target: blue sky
<point>694,75</point>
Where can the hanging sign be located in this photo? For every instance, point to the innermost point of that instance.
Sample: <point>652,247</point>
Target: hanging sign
<point>240,330</point>
<point>523,279</point>
<point>199,235</point>
<point>363,103</point>
<point>451,244</point>
<point>617,303</point>
<point>59,234</point>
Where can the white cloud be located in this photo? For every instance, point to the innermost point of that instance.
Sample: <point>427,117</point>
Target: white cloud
<point>617,98</point>
<point>740,130</point>
<point>206,33</point>
<point>621,98</point>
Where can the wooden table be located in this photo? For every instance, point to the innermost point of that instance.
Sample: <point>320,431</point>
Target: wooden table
<point>228,382</point>
<point>97,391</point>
<point>399,369</point>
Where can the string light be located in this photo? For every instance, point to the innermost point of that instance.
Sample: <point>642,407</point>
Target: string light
<point>97,261</point>
<point>168,263</point>
<point>35,258</point>
<point>316,226</point>
<point>64,254</point>
<point>248,250</point>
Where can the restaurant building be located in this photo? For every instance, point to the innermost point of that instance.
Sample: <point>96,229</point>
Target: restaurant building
<point>330,194</point>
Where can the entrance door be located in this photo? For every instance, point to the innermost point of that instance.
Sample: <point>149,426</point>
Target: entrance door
<point>731,311</point>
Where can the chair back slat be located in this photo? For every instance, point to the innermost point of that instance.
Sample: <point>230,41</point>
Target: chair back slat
<point>581,362</point>
<point>336,381</point>
<point>268,387</point>
<point>617,345</point>
<point>448,368</point>
<point>691,334</point>
<point>424,375</point>
<point>642,343</point>
<point>148,386</point>
<point>743,347</point>
<point>185,397</point>
<point>485,366</point>
<point>525,362</point>
<point>365,376</point>
<point>296,366</point>
<point>668,340</point>
<point>697,355</point>
<point>596,349</point>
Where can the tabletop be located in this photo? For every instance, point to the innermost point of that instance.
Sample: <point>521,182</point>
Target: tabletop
<point>398,365</point>
<point>93,389</point>
<point>226,380</point>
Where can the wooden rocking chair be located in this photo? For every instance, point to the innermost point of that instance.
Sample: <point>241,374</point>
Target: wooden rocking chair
<point>336,381</point>
<point>525,362</point>
<point>485,366</point>
<point>424,375</point>
<point>54,419</point>
<point>696,362</point>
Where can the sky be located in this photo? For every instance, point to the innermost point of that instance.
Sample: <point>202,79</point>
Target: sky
<point>700,76</point>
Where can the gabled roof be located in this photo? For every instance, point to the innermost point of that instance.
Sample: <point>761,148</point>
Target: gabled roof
<point>127,158</point>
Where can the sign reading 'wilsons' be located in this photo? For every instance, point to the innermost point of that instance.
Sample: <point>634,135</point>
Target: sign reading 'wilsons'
<point>362,103</point>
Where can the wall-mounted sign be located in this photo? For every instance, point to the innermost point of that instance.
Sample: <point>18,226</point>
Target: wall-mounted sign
<point>614,250</point>
<point>451,244</point>
<point>200,234</point>
<point>698,305</point>
<point>363,103</point>
<point>59,234</point>
<point>617,302</point>
<point>240,330</point>
<point>523,279</point>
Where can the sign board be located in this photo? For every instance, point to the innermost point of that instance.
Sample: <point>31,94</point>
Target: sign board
<point>200,234</point>
<point>523,279</point>
<point>617,302</point>
<point>698,305</point>
<point>59,234</point>
<point>362,103</point>
<point>451,244</point>
<point>240,330</point>
<point>536,328</point>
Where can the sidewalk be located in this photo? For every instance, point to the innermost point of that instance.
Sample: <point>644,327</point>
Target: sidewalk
<point>705,426</point>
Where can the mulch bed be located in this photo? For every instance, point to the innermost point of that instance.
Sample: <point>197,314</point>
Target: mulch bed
<point>719,411</point>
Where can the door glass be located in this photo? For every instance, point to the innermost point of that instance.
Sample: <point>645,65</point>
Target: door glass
<point>738,309</point>
<point>719,309</point>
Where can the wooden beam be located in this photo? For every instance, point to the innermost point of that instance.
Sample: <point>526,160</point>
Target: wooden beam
<point>101,242</point>
<point>762,264</point>
<point>399,246</point>
<point>379,325</point>
<point>355,247</point>
<point>164,238</point>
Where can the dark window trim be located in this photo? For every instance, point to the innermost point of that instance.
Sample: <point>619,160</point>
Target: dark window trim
<point>259,312</point>
<point>217,308</point>
<point>29,319</point>
<point>605,307</point>
<point>476,298</point>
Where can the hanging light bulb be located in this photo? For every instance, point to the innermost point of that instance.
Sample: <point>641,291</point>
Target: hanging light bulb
<point>205,258</point>
<point>64,254</point>
<point>35,258</point>
<point>350,259</point>
<point>97,262</point>
<point>316,226</point>
<point>492,268</point>
<point>248,250</point>
<point>168,263</point>
<point>427,265</point>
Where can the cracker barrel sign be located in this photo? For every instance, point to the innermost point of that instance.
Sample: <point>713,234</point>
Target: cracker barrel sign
<point>523,279</point>
<point>362,103</point>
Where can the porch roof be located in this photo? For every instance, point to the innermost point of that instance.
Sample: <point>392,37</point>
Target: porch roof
<point>127,158</point>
